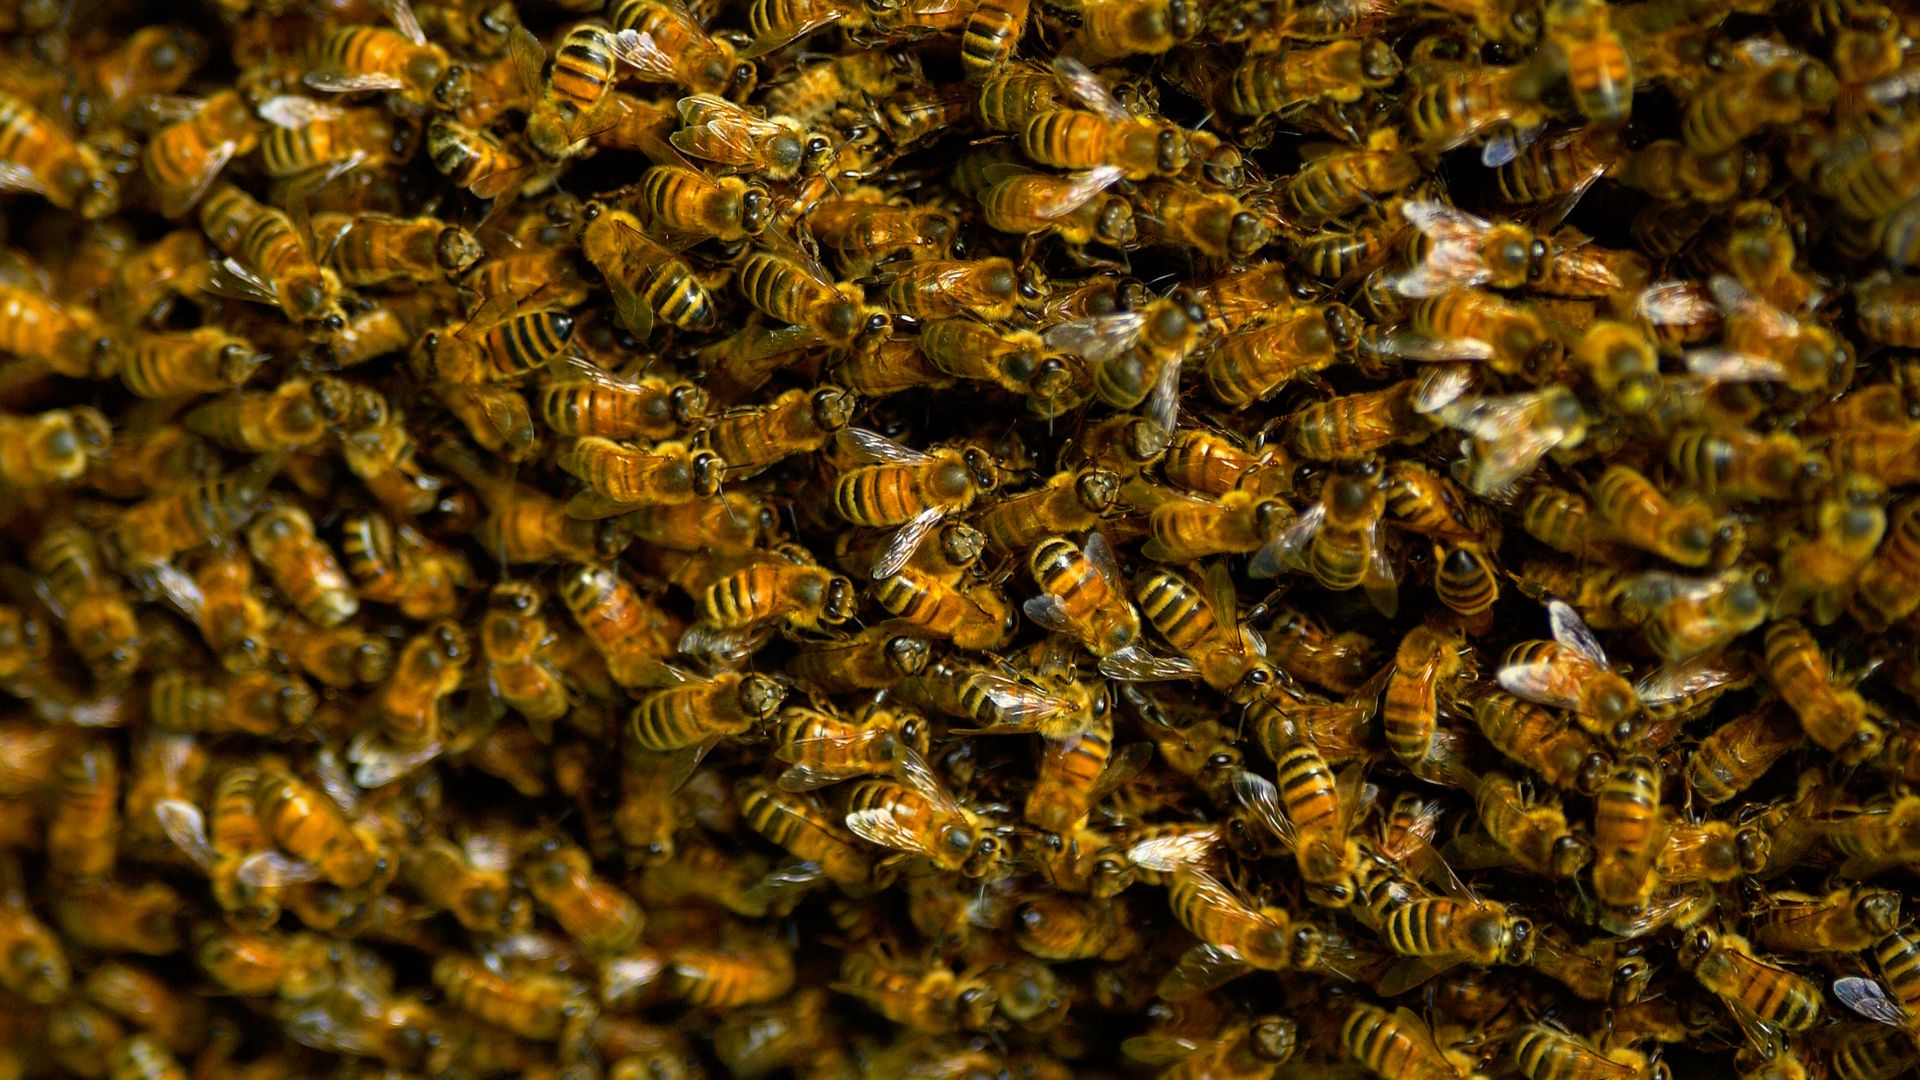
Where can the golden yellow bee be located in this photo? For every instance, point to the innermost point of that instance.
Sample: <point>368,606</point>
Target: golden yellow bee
<point>37,155</point>
<point>1397,1044</point>
<point>597,914</point>
<point>182,160</point>
<point>1756,990</point>
<point>689,710</point>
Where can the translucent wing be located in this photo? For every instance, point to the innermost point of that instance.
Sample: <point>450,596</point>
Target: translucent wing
<point>1200,970</point>
<point>1439,388</point>
<point>882,825</point>
<point>1670,682</point>
<point>1135,664</point>
<point>1411,973</point>
<point>1163,401</point>
<point>529,58</point>
<point>1381,583</point>
<point>1176,851</point>
<point>1262,796</point>
<point>1571,630</point>
<point>1289,549</point>
<point>351,82</point>
<point>1083,84</point>
<point>1049,612</point>
<point>1452,258</point>
<point>1675,303</point>
<point>1737,301</point>
<point>1100,553</point>
<point>175,201</point>
<point>1158,1049</point>
<point>1059,198</point>
<point>293,111</point>
<point>811,777</point>
<point>874,448</point>
<point>1732,365</point>
<point>16,178</point>
<point>639,51</point>
<point>1412,346</point>
<point>1100,338</point>
<point>233,279</point>
<point>400,12</point>
<point>1504,146</point>
<point>1867,998</point>
<point>719,130</point>
<point>1019,706</point>
<point>187,828</point>
<point>905,541</point>
<point>1538,683</point>
<point>270,869</point>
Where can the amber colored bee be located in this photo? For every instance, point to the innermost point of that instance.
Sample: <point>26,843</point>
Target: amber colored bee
<point>800,596</point>
<point>372,249</point>
<point>1753,988</point>
<point>920,817</point>
<point>154,529</point>
<point>44,159</point>
<point>309,825</point>
<point>1312,811</point>
<point>1083,594</point>
<point>1072,207</point>
<point>1471,101</point>
<point>1064,928</point>
<point>1884,583</point>
<point>754,438</point>
<point>1627,833</point>
<point>791,288</point>
<point>623,627</point>
<point>183,159</point>
<point>1686,617</point>
<point>1211,463</point>
<point>619,477</point>
<point>796,823</point>
<point>1837,719</point>
<point>1762,343</point>
<point>1111,29</point>
<point>476,160</point>
<point>263,964</point>
<point>1529,831</point>
<point>268,260</point>
<point>1734,105</point>
<point>1236,937</point>
<point>716,130</point>
<point>1819,571</point>
<point>512,635</point>
<point>824,748</point>
<point>1257,363</point>
<point>301,566</point>
<point>897,486</point>
<point>1276,83</point>
<point>930,1001</point>
<point>1205,627</point>
<point>586,400</point>
<point>643,278</point>
<point>1213,223</point>
<point>1848,919</point>
<point>308,137</point>
<point>594,912</point>
<point>869,231</point>
<point>1356,425</point>
<point>873,659</point>
<point>691,710</point>
<point>144,999</point>
<point>1017,361</point>
<point>1398,1044</point>
<point>352,59</point>
<point>77,588</point>
<point>1103,134</point>
<point>1556,748</point>
<point>343,657</point>
<point>1733,756</point>
<point>1711,851</point>
<point>663,40</point>
<point>84,825</point>
<point>1541,1052</point>
<point>1336,183</point>
<point>429,667</point>
<point>531,1006</point>
<point>686,201</point>
<point>1427,660</point>
<point>66,338</point>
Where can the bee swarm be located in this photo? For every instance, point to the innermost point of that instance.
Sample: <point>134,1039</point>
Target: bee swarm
<point>959,538</point>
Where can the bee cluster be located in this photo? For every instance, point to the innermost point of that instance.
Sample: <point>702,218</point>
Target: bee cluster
<point>959,538</point>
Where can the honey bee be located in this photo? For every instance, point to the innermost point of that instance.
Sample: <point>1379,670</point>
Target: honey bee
<point>1255,364</point>
<point>1336,72</point>
<point>373,249</point>
<point>1737,753</point>
<point>799,595</point>
<point>1213,223</point>
<point>1236,937</point>
<point>945,289</point>
<point>523,525</point>
<point>354,59</point>
<point>139,996</point>
<point>920,817</point>
<point>992,36</point>
<point>597,914</point>
<point>301,566</point>
<point>643,278</point>
<point>1210,463</point>
<point>690,711</point>
<point>663,40</point>
<point>931,1001</point>
<point>1869,1052</point>
<point>1205,627</point>
<point>867,231</point>
<point>824,748</point>
<point>1714,851</point>
<point>1688,617</point>
<point>294,967</point>
<point>1580,38</point>
<point>1555,748</point>
<point>183,159</point>
<point>1759,993</point>
<point>469,881</point>
<point>1071,207</point>
<point>620,477</point>
<point>789,286</point>
<point>1464,104</point>
<point>582,399</point>
<point>1336,183</point>
<point>495,346</point>
<point>1083,595</point>
<point>84,823</point>
<point>752,439</point>
<point>1312,812</point>
<point>1837,719</point>
<point>1763,343</point>
<point>268,260</point>
<point>873,659</point>
<point>310,825</point>
<point>688,202</point>
<point>894,485</point>
<point>1531,832</point>
<point>798,824</point>
<point>478,161</point>
<point>1453,249</point>
<point>1338,539</point>
<point>1814,925</point>
<point>1773,89</point>
<point>1104,133</point>
<point>155,529</point>
<point>778,148</point>
<point>1628,833</point>
<point>1426,660</point>
<point>1460,323</point>
<point>1883,593</point>
<point>1572,672</point>
<point>1250,1049</point>
<point>1819,571</point>
<point>308,138</point>
<point>1355,425</point>
<point>1398,1044</point>
<point>1060,928</point>
<point>72,580</point>
<point>38,156</point>
<point>541,1007</point>
<point>512,635</point>
<point>1545,1053</point>
<point>1507,435</point>
<point>622,626</point>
